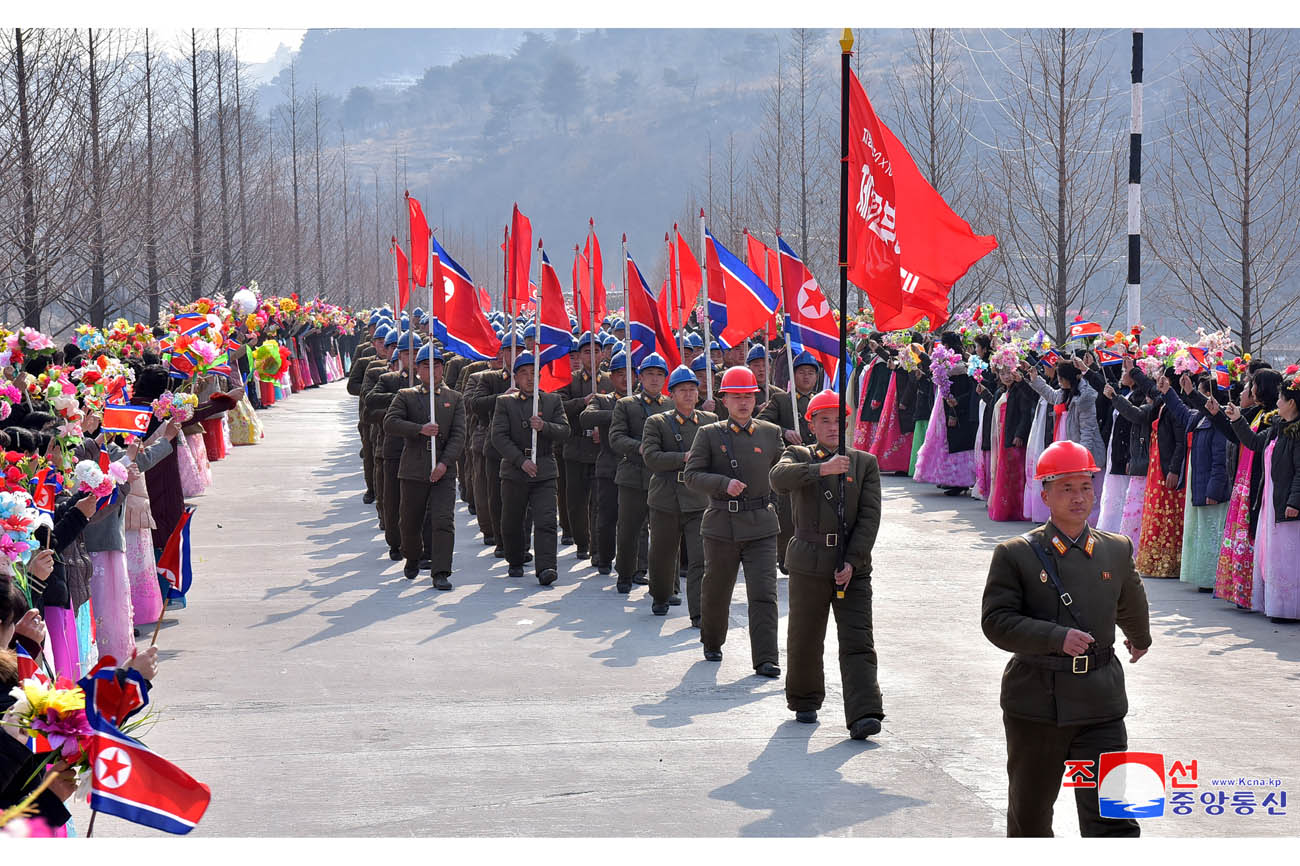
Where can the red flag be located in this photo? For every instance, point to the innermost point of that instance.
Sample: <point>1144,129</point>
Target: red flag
<point>739,302</point>
<point>553,338</point>
<point>873,249</point>
<point>692,281</point>
<point>484,300</point>
<point>591,250</point>
<point>403,280</point>
<point>520,258</point>
<point>419,242</point>
<point>938,246</point>
<point>582,290</point>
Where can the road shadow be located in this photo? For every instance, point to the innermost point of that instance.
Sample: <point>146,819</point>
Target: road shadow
<point>804,792</point>
<point>700,694</point>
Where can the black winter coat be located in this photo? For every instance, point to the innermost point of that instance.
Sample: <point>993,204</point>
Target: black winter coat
<point>1285,464</point>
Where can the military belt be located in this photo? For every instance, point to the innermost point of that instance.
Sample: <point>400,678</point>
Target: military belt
<point>1075,664</point>
<point>820,539</point>
<point>679,475</point>
<point>750,503</point>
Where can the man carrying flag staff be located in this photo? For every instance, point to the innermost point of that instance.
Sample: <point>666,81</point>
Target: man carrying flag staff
<point>528,476</point>
<point>378,401</point>
<point>729,462</point>
<point>428,487</point>
<point>596,418</point>
<point>819,583</point>
<point>633,478</point>
<point>581,450</point>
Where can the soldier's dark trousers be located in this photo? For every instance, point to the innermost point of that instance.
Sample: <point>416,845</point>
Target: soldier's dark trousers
<point>606,520</point>
<point>578,478</point>
<point>367,457</point>
<point>667,528</point>
<point>487,490</point>
<point>632,536</point>
<point>722,560</point>
<point>786,520</point>
<point>427,521</point>
<point>392,504</point>
<point>377,460</point>
<point>517,498</point>
<point>1036,756</point>
<point>562,494</point>
<point>812,598</point>
<point>465,473</point>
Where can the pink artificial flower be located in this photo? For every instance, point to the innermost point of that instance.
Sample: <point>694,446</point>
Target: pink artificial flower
<point>65,733</point>
<point>36,341</point>
<point>11,548</point>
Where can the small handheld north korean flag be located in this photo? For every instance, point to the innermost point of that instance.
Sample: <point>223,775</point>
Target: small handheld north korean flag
<point>1051,358</point>
<point>1221,376</point>
<point>126,419</point>
<point>1107,358</point>
<point>1081,330</point>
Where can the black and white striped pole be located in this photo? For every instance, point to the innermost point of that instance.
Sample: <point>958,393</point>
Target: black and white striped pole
<point>1135,191</point>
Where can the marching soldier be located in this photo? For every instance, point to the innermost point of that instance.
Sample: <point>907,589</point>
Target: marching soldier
<point>818,583</point>
<point>768,393</point>
<point>795,430</point>
<point>468,466</point>
<point>675,510</point>
<point>428,489</point>
<point>596,418</point>
<point>482,392</point>
<point>581,451</point>
<point>1054,596</point>
<point>729,462</point>
<point>388,357</point>
<point>633,478</point>
<point>366,355</point>
<point>528,477</point>
<point>377,403</point>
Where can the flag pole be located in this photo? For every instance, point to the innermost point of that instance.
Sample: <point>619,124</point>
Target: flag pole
<point>676,261</point>
<point>591,300</point>
<point>506,306</point>
<point>789,339</point>
<point>397,290</point>
<point>708,335</point>
<point>846,54</point>
<point>627,323</point>
<point>410,267</point>
<point>433,279</point>
<point>537,343</point>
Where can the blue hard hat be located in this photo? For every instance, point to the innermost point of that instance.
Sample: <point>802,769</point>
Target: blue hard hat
<point>375,318</point>
<point>716,346</point>
<point>805,359</point>
<point>428,352</point>
<point>386,312</point>
<point>424,320</point>
<point>530,331</point>
<point>407,341</point>
<point>511,338</point>
<point>757,353</point>
<point>525,359</point>
<point>618,362</point>
<point>607,339</point>
<point>681,376</point>
<point>418,311</point>
<point>694,341</point>
<point>653,361</point>
<point>698,364</point>
<point>391,338</point>
<point>573,322</point>
<point>584,340</point>
<point>618,323</point>
<point>381,333</point>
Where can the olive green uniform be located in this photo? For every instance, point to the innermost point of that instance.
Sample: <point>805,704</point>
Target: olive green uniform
<point>512,436</point>
<point>813,557</point>
<point>481,396</point>
<point>737,530</point>
<point>390,449</point>
<point>356,375</point>
<point>1050,712</point>
<point>633,478</point>
<point>596,418</point>
<point>427,523</point>
<point>467,465</point>
<point>780,413</point>
<point>675,509</point>
<point>373,433</point>
<point>580,454</point>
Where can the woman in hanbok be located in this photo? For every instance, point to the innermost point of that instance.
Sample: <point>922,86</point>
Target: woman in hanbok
<point>1161,546</point>
<point>947,459</point>
<point>1277,537</point>
<point>1013,412</point>
<point>875,386</point>
<point>987,389</point>
<point>892,446</point>
<point>1233,577</point>
<point>1077,420</point>
<point>922,406</point>
<point>1134,411</point>
<point>1207,486</point>
<point>1115,490</point>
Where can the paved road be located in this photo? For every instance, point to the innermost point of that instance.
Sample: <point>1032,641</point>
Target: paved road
<point>319,693</point>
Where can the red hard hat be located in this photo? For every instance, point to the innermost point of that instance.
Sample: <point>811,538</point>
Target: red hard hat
<point>738,380</point>
<point>1064,458</point>
<point>827,399</point>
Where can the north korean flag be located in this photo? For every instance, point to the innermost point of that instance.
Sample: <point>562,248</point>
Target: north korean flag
<point>553,337</point>
<point>190,324</point>
<point>1222,378</point>
<point>1081,330</point>
<point>114,695</point>
<point>126,419</point>
<point>737,296</point>
<point>461,325</point>
<point>174,566</point>
<point>132,782</point>
<point>28,669</point>
<point>810,323</point>
<point>647,323</point>
<point>1051,358</point>
<point>181,365</point>
<point>1107,358</point>
<point>1198,355</point>
<point>46,485</point>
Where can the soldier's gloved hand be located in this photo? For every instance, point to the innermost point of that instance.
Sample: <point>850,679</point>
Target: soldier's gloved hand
<point>530,468</point>
<point>735,487</point>
<point>792,437</point>
<point>837,465</point>
<point>439,470</point>
<point>1076,642</point>
<point>429,430</point>
<point>1135,653</point>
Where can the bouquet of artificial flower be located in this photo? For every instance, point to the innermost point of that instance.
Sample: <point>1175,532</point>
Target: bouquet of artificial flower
<point>943,362</point>
<point>173,406</point>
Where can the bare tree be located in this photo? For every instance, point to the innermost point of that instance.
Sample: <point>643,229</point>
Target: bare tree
<point>239,171</point>
<point>293,144</point>
<point>1229,231</point>
<point>226,259</point>
<point>150,226</point>
<point>320,205</point>
<point>769,157</point>
<point>1060,181</point>
<point>196,229</point>
<point>347,237</point>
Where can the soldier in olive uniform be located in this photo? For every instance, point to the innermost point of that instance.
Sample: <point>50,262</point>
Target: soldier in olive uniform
<point>729,463</point>
<point>581,450</point>
<point>819,584</point>
<point>633,477</point>
<point>675,510</point>
<point>468,465</point>
<point>428,489</point>
<point>377,403</point>
<point>596,418</point>
<point>795,430</point>
<point>481,397</point>
<point>471,460</point>
<point>768,393</point>
<point>374,428</point>
<point>356,379</point>
<point>528,476</point>
<point>1054,596</point>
